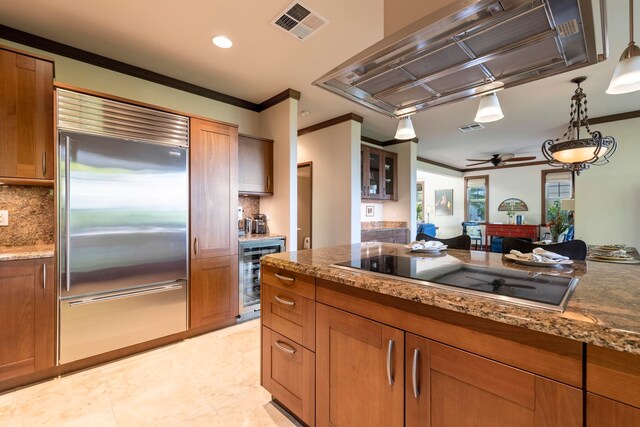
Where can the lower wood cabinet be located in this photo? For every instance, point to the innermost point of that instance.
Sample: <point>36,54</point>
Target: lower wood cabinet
<point>213,291</point>
<point>398,235</point>
<point>359,372</point>
<point>451,387</point>
<point>288,372</point>
<point>603,412</point>
<point>27,317</point>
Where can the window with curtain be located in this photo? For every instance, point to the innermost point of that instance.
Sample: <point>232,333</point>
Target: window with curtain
<point>476,198</point>
<point>557,185</point>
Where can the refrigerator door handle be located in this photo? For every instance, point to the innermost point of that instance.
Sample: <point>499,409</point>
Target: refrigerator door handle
<point>67,214</point>
<point>128,294</point>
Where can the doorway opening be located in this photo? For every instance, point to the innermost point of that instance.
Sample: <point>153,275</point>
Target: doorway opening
<point>304,205</point>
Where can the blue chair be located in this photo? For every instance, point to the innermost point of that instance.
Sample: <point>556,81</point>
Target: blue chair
<point>569,234</point>
<point>473,230</point>
<point>496,244</point>
<point>427,228</point>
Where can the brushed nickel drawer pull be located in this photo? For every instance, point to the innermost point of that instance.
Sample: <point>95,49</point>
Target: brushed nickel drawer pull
<point>285,278</point>
<point>284,301</point>
<point>389,356</point>
<point>414,373</point>
<point>195,246</point>
<point>44,276</point>
<point>44,163</point>
<point>284,347</point>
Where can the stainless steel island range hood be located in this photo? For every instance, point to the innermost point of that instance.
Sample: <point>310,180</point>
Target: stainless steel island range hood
<point>465,49</point>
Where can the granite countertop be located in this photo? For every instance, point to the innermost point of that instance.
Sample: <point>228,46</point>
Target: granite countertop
<point>26,252</point>
<point>604,309</point>
<point>383,225</point>
<point>253,237</point>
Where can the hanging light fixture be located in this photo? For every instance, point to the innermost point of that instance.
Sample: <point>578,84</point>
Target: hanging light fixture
<point>577,154</point>
<point>626,77</point>
<point>405,129</point>
<point>489,109</point>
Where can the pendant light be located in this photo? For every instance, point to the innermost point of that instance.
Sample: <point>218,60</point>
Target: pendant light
<point>575,154</point>
<point>489,109</point>
<point>405,129</point>
<point>626,77</point>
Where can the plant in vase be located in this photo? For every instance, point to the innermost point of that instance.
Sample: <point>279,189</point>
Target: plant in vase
<point>510,214</point>
<point>558,220</point>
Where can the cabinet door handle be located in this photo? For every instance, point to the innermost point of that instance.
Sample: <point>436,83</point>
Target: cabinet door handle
<point>268,183</point>
<point>414,373</point>
<point>44,163</point>
<point>285,278</point>
<point>195,246</point>
<point>284,301</point>
<point>44,276</point>
<point>284,347</point>
<point>389,357</point>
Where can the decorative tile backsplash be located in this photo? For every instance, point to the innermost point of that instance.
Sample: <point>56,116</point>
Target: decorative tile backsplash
<point>250,205</point>
<point>31,215</point>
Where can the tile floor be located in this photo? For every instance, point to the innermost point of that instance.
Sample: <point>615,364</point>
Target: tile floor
<point>211,380</point>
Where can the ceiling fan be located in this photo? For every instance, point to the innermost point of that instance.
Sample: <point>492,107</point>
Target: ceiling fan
<point>500,159</point>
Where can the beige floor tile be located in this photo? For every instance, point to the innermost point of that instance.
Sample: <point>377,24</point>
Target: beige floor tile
<point>212,380</point>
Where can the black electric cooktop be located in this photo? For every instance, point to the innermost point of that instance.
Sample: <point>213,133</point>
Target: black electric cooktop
<point>521,287</point>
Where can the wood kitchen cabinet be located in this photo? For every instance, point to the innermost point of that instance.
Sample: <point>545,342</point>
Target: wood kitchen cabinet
<point>214,291</point>
<point>27,317</point>
<point>255,165</point>
<point>213,288</point>
<point>447,386</point>
<point>379,174</point>
<point>26,116</point>
<point>398,235</point>
<point>360,378</point>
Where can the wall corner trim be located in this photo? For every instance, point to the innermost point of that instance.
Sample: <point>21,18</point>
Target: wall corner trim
<point>331,122</point>
<point>276,99</point>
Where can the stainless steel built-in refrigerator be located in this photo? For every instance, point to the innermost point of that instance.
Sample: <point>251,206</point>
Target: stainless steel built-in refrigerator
<point>123,224</point>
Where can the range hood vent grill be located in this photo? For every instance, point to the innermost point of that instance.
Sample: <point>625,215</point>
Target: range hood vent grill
<point>467,49</point>
<point>299,21</point>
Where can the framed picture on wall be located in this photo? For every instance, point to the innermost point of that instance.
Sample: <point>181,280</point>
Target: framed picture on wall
<point>444,202</point>
<point>370,210</point>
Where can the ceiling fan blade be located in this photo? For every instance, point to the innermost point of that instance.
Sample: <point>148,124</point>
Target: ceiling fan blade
<point>479,163</point>
<point>520,159</point>
<point>477,160</point>
<point>506,156</point>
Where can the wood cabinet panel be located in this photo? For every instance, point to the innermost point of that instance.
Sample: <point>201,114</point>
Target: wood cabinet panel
<point>288,373</point>
<point>27,317</point>
<point>356,358</point>
<point>379,174</point>
<point>614,374</point>
<point>297,283</point>
<point>255,165</point>
<point>214,189</point>
<point>26,116</point>
<point>603,412</point>
<point>289,314</point>
<point>213,291</point>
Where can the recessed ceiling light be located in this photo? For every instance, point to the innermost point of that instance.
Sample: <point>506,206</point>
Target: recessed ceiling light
<point>222,42</point>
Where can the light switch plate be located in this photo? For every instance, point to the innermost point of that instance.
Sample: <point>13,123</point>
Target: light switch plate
<point>4,218</point>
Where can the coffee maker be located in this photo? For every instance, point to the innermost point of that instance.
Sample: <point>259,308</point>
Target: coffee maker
<point>259,224</point>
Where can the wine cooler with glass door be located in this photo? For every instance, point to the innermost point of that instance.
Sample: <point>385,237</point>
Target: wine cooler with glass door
<point>249,256</point>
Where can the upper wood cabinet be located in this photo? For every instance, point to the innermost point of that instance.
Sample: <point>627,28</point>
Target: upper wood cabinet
<point>26,116</point>
<point>214,189</point>
<point>27,317</point>
<point>255,165</point>
<point>379,171</point>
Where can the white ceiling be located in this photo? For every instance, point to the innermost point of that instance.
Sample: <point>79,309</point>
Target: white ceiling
<point>174,38</point>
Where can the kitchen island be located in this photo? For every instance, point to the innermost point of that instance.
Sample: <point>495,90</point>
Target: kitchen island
<point>352,341</point>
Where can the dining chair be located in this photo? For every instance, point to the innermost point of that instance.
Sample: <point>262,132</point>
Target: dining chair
<point>574,249</point>
<point>458,242</point>
<point>427,228</point>
<point>474,231</point>
<point>568,236</point>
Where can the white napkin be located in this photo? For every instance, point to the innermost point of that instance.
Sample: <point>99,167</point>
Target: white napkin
<point>549,255</point>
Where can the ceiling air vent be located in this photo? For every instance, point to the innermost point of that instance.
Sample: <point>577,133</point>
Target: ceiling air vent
<point>470,128</point>
<point>300,21</point>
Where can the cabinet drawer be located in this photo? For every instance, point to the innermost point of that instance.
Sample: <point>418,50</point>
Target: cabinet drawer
<point>614,374</point>
<point>289,314</point>
<point>288,373</point>
<point>297,283</point>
